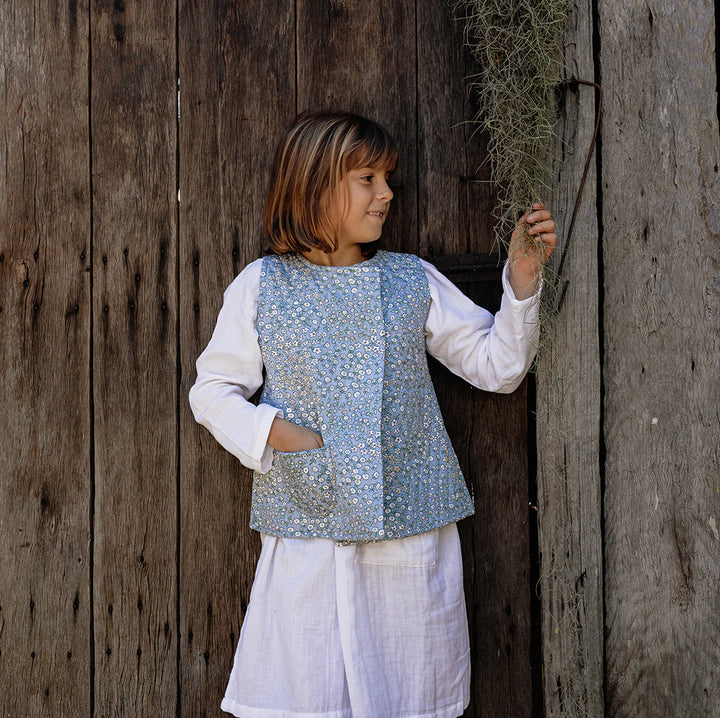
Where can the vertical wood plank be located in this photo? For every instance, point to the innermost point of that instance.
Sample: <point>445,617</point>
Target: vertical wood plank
<point>661,228</point>
<point>443,224</point>
<point>343,64</point>
<point>455,198</point>
<point>481,194</point>
<point>568,423</point>
<point>497,551</point>
<point>45,481</point>
<point>135,376</point>
<point>230,120</point>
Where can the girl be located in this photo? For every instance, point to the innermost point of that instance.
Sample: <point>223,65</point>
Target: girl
<point>357,608</point>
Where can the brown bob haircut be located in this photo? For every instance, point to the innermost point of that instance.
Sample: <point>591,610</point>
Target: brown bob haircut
<point>311,161</point>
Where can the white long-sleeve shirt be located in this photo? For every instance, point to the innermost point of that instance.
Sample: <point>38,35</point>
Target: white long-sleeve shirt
<point>491,353</point>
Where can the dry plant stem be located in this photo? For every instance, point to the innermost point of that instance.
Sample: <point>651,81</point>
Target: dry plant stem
<point>517,44</point>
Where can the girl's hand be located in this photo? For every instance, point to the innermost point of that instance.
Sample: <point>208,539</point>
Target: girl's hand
<point>531,245</point>
<point>288,437</point>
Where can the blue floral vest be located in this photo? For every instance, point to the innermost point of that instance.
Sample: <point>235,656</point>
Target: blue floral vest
<point>344,354</point>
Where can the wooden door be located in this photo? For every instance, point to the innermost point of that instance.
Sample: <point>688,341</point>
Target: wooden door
<point>135,161</point>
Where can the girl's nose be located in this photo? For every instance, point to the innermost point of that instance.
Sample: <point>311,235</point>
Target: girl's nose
<point>384,192</point>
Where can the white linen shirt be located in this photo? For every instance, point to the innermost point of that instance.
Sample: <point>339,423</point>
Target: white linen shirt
<point>491,353</point>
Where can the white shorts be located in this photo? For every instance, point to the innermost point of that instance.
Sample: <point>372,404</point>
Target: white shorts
<point>373,630</point>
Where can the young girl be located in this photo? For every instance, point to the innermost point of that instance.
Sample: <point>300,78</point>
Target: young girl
<point>357,607</point>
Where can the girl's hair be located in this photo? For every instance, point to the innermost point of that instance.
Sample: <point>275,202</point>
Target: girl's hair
<point>310,163</point>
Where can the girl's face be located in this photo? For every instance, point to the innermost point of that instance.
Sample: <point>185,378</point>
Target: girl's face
<point>360,205</point>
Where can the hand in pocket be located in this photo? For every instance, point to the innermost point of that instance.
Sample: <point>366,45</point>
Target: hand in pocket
<point>288,437</point>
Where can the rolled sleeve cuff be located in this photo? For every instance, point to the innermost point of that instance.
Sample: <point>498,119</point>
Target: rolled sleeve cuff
<point>262,453</point>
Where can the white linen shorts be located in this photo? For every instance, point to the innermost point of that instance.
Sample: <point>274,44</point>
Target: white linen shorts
<point>373,630</point>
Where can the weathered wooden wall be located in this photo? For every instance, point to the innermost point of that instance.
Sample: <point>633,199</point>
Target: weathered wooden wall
<point>125,554</point>
<point>661,232</point>
<point>45,353</point>
<point>628,424</point>
<point>125,557</point>
<point>134,373</point>
<point>568,414</point>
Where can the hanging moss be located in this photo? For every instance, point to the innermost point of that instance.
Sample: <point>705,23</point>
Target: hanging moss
<point>518,47</point>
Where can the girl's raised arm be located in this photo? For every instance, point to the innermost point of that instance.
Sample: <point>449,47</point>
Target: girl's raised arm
<point>492,353</point>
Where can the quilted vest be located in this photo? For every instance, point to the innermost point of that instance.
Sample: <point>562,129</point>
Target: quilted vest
<point>344,354</point>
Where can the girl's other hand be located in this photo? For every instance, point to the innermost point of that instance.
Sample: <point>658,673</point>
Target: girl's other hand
<point>531,245</point>
<point>288,437</point>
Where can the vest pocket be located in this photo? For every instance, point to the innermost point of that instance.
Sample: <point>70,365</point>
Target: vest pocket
<point>310,479</point>
<point>416,551</point>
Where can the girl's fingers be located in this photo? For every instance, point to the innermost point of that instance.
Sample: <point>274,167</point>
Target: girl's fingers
<point>541,227</point>
<point>538,216</point>
<point>536,209</point>
<point>550,242</point>
<point>533,214</point>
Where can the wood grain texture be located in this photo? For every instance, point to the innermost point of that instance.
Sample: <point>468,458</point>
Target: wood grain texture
<point>497,560</point>
<point>568,417</point>
<point>353,57</point>
<point>45,485</point>
<point>661,151</point>
<point>455,199</point>
<point>443,224</point>
<point>134,102</point>
<point>230,121</point>
<point>481,194</point>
